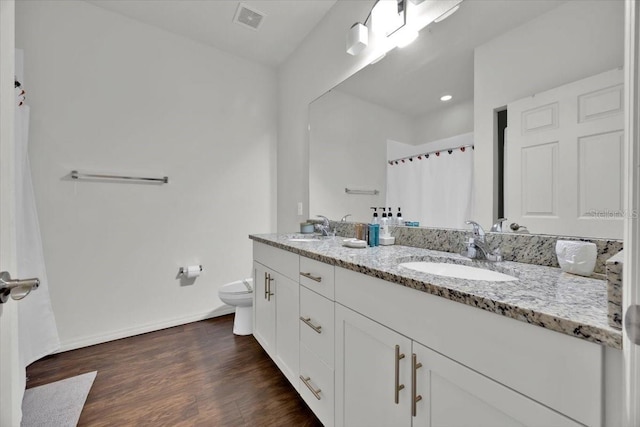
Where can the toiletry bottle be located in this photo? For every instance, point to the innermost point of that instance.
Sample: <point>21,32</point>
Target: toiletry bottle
<point>375,219</point>
<point>390,219</point>
<point>384,222</point>
<point>372,235</point>
<point>376,232</point>
<point>399,219</point>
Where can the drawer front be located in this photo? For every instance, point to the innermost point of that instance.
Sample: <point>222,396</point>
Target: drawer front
<point>317,324</point>
<point>284,262</point>
<point>316,377</point>
<point>317,276</point>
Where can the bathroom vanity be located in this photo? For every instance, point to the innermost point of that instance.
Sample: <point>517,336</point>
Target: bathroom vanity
<point>367,342</point>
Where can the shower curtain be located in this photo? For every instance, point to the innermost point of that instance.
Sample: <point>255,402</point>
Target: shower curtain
<point>38,335</point>
<point>436,191</point>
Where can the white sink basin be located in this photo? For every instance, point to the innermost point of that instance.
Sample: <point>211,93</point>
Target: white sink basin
<point>304,239</point>
<point>458,271</point>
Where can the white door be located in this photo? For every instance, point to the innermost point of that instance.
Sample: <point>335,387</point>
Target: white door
<point>264,313</point>
<point>368,372</point>
<point>454,395</point>
<point>11,373</point>
<point>564,165</point>
<point>287,326</point>
<point>631,272</point>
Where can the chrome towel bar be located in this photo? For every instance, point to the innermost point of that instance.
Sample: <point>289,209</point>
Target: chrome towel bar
<point>78,175</point>
<point>369,192</point>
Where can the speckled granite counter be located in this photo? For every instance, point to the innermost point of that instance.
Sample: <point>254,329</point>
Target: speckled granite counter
<point>543,296</point>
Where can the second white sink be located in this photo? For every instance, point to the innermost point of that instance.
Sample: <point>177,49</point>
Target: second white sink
<point>458,271</point>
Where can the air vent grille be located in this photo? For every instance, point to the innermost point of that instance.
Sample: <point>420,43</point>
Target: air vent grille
<point>248,17</point>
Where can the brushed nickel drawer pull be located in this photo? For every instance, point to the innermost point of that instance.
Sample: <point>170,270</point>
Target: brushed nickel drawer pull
<point>311,276</point>
<point>415,397</point>
<point>397,385</point>
<point>266,292</point>
<point>307,382</point>
<point>307,321</point>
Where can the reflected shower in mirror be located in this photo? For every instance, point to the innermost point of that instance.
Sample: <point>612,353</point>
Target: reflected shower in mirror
<point>444,92</point>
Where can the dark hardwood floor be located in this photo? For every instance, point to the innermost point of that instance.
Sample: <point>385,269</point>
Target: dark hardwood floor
<point>198,374</point>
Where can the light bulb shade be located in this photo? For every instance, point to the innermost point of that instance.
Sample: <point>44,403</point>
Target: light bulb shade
<point>357,39</point>
<point>385,18</point>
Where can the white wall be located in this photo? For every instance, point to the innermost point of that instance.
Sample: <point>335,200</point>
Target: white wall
<point>349,150</point>
<point>451,120</point>
<point>110,94</point>
<point>319,63</point>
<point>576,40</point>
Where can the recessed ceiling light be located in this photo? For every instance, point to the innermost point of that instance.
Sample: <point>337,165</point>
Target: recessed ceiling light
<point>446,98</point>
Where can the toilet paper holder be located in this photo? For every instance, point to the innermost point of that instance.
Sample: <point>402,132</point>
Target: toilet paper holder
<point>183,270</point>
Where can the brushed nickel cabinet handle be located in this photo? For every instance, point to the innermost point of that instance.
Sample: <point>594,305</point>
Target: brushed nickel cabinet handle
<point>397,385</point>
<point>415,397</point>
<point>307,382</point>
<point>311,276</point>
<point>269,293</point>
<point>266,292</point>
<point>307,321</point>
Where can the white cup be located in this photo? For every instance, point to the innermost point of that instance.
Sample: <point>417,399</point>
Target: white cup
<point>576,257</point>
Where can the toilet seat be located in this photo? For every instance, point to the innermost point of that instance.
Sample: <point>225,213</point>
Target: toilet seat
<point>237,288</point>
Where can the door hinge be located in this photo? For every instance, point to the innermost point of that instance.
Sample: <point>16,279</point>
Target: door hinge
<point>632,323</point>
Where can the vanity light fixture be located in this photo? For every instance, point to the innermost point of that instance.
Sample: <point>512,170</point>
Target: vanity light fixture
<point>447,14</point>
<point>446,98</point>
<point>405,37</point>
<point>387,17</point>
<point>357,39</point>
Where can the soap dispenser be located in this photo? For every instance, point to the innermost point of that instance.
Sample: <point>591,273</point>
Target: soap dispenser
<point>399,219</point>
<point>384,223</point>
<point>375,219</point>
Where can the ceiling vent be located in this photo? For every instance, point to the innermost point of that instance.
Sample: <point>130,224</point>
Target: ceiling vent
<point>248,17</point>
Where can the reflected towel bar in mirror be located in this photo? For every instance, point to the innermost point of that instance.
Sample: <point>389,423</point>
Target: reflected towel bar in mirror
<point>369,192</point>
<point>78,175</point>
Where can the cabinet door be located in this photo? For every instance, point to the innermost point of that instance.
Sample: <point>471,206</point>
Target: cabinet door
<point>287,326</point>
<point>454,395</point>
<point>264,308</point>
<point>368,373</point>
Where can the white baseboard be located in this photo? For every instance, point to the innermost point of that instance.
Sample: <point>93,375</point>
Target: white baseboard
<point>143,329</point>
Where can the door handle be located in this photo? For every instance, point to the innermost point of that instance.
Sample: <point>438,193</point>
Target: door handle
<point>415,397</point>
<point>17,289</point>
<point>269,293</point>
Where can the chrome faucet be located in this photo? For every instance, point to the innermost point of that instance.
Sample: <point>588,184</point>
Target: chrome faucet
<point>497,227</point>
<point>344,218</point>
<point>325,227</point>
<point>477,246</point>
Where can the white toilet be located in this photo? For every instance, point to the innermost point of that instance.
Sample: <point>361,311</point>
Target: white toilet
<point>240,295</point>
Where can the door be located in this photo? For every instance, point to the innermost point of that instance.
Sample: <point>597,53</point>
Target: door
<point>564,166</point>
<point>11,372</point>
<point>372,373</point>
<point>631,272</point>
<point>287,326</point>
<point>451,394</point>
<point>264,318</point>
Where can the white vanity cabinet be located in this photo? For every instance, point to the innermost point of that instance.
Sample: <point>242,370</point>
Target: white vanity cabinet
<point>385,379</point>
<point>276,306</point>
<point>362,351</point>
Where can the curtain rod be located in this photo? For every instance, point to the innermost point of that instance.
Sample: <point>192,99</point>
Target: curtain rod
<point>426,155</point>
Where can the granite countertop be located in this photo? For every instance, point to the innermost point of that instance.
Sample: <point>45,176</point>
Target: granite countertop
<point>542,296</point>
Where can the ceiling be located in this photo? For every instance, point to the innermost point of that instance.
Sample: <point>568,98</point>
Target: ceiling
<point>412,80</point>
<point>286,24</point>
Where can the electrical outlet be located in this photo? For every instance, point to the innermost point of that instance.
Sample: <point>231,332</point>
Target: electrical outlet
<point>299,208</point>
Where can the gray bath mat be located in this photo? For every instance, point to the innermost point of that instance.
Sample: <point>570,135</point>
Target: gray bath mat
<point>58,404</point>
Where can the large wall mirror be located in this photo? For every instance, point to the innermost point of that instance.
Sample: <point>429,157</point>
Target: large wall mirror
<point>533,130</point>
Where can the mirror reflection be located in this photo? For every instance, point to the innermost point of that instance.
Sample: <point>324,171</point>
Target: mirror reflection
<point>532,129</point>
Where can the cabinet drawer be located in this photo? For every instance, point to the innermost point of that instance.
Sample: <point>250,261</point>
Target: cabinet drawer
<point>285,263</point>
<point>317,324</point>
<point>317,376</point>
<point>317,276</point>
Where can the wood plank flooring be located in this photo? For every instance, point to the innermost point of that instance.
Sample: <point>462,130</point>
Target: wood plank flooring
<point>198,374</point>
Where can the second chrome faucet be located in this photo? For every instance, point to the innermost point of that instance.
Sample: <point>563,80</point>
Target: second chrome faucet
<point>477,247</point>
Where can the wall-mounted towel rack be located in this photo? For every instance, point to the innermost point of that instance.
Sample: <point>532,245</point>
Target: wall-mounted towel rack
<point>368,192</point>
<point>78,175</point>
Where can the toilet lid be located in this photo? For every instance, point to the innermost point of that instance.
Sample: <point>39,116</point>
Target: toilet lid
<point>235,288</point>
